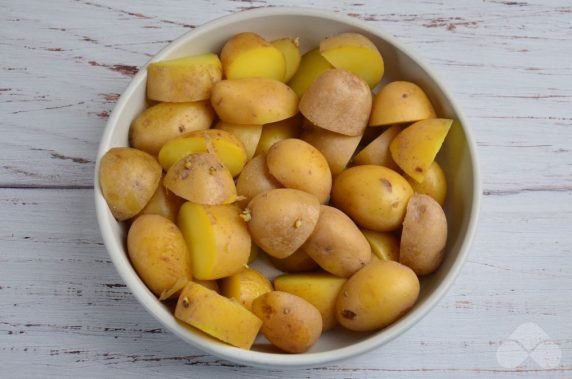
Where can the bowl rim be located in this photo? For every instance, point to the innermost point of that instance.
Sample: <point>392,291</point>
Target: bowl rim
<point>262,359</point>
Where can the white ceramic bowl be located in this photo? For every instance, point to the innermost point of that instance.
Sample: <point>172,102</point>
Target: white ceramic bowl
<point>457,157</point>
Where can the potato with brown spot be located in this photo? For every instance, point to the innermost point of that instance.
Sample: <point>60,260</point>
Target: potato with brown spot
<point>424,235</point>
<point>288,321</point>
<point>400,102</point>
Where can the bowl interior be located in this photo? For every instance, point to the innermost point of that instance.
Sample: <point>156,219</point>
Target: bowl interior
<point>456,157</point>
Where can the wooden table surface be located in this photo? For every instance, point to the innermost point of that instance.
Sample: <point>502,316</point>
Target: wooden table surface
<point>64,312</point>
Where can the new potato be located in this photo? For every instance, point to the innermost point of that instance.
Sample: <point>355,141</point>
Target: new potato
<point>245,286</point>
<point>277,131</point>
<point>249,135</point>
<point>377,151</point>
<point>163,203</point>
<point>290,49</point>
<point>434,184</point>
<point>254,179</point>
<point>400,102</point>
<point>300,261</point>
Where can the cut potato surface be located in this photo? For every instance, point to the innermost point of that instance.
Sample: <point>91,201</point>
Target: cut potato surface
<point>228,148</point>
<point>183,79</point>
<point>434,184</point>
<point>311,66</point>
<point>249,135</point>
<point>377,151</point>
<point>384,246</point>
<point>338,101</point>
<point>217,238</point>
<point>217,316</point>
<point>415,148</point>
<point>248,55</point>
<point>290,49</point>
<point>356,53</point>
<point>245,286</point>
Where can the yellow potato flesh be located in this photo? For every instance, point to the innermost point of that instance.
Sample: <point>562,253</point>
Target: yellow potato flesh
<point>415,148</point>
<point>228,148</point>
<point>400,102</point>
<point>166,121</point>
<point>355,53</point>
<point>249,135</point>
<point>210,284</point>
<point>253,101</point>
<point>217,238</point>
<point>163,203</point>
<point>277,131</point>
<point>217,316</point>
<point>311,66</point>
<point>385,246</point>
<point>319,289</point>
<point>183,79</point>
<point>290,49</point>
<point>434,184</point>
<point>159,254</point>
<point>377,151</point>
<point>128,178</point>
<point>202,179</point>
<point>248,55</point>
<point>245,286</point>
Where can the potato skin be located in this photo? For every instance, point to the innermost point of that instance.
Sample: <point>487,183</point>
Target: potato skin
<point>128,178</point>
<point>245,286</point>
<point>163,203</point>
<point>377,151</point>
<point>300,261</point>
<point>337,244</point>
<point>277,131</point>
<point>281,220</point>
<point>434,184</point>
<point>375,197</point>
<point>299,165</point>
<point>288,321</point>
<point>202,179</point>
<point>253,101</point>
<point>338,101</point>
<point>376,296</point>
<point>255,179</point>
<point>158,252</point>
<point>164,121</point>
<point>424,235</point>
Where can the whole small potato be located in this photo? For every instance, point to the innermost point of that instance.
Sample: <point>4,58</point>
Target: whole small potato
<point>255,179</point>
<point>158,253</point>
<point>288,321</point>
<point>338,101</point>
<point>424,235</point>
<point>202,179</point>
<point>375,197</point>
<point>164,121</point>
<point>299,165</point>
<point>337,244</point>
<point>281,220</point>
<point>128,179</point>
<point>376,296</point>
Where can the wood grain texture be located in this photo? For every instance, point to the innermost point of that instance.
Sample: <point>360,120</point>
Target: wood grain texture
<point>64,312</point>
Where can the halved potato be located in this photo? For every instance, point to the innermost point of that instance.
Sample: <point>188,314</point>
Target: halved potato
<point>248,55</point>
<point>297,164</point>
<point>249,135</point>
<point>384,246</point>
<point>128,178</point>
<point>245,286</point>
<point>202,179</point>
<point>377,151</point>
<point>183,79</point>
<point>254,179</point>
<point>164,121</point>
<point>228,148</point>
<point>311,66</point>
<point>217,316</point>
<point>434,184</point>
<point>356,53</point>
<point>319,289</point>
<point>281,220</point>
<point>336,148</point>
<point>290,49</point>
<point>253,100</point>
<point>400,102</point>
<point>415,148</point>
<point>277,131</point>
<point>217,238</point>
<point>338,101</point>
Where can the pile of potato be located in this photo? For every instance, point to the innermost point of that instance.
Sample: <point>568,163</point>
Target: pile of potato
<point>264,153</point>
